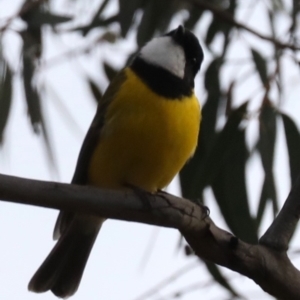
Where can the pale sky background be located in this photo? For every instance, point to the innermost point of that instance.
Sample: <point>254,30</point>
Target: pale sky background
<point>114,270</point>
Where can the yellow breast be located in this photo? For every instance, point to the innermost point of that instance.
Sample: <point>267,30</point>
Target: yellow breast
<point>146,139</point>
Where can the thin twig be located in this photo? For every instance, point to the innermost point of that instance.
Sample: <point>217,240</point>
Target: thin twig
<point>179,293</point>
<point>149,248</point>
<point>226,17</point>
<point>154,290</point>
<point>51,62</point>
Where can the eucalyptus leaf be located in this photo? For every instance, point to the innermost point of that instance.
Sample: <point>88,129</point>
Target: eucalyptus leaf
<point>267,135</point>
<point>223,146</point>
<point>266,147</point>
<point>126,13</point>
<point>292,136</point>
<point>203,168</point>
<point>97,93</point>
<point>229,187</point>
<point>97,21</point>
<point>157,15</point>
<point>189,175</point>
<point>214,28</point>
<point>261,66</point>
<point>218,277</point>
<point>218,26</point>
<point>31,95</point>
<point>5,98</point>
<point>37,18</point>
<point>262,203</point>
<point>194,17</point>
<point>110,72</point>
<point>294,14</point>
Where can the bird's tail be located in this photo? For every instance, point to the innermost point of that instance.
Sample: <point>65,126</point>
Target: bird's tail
<point>62,270</point>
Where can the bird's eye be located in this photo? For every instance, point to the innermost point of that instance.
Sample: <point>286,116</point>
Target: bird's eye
<point>194,60</point>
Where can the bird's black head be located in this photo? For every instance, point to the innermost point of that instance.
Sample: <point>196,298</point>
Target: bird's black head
<point>169,63</point>
<point>192,49</point>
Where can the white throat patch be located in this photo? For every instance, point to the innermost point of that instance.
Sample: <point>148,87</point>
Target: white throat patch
<point>163,52</point>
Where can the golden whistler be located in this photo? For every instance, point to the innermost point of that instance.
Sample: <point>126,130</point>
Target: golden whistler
<point>145,129</point>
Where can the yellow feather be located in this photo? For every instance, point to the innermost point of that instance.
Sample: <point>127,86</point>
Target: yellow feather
<point>146,138</point>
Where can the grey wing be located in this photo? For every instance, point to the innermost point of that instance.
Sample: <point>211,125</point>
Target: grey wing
<point>90,141</point>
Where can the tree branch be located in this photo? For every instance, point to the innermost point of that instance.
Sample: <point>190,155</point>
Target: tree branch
<point>264,263</point>
<point>226,17</point>
<point>161,209</point>
<point>270,269</point>
<point>283,227</point>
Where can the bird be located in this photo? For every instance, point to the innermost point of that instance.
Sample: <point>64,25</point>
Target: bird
<point>144,131</point>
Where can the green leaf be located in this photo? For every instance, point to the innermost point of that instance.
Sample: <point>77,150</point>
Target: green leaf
<point>36,18</point>
<point>214,28</point>
<point>272,193</point>
<point>157,15</point>
<point>37,15</point>
<point>229,98</point>
<point>268,193</point>
<point>294,14</point>
<point>210,109</point>
<point>229,187</point>
<point>211,80</point>
<point>49,150</point>
<point>206,163</point>
<point>110,72</point>
<point>95,90</point>
<point>51,19</point>
<point>99,11</point>
<point>267,136</point>
<point>292,136</point>
<point>32,43</point>
<point>5,97</point>
<point>262,203</point>
<point>218,277</point>
<point>232,7</point>
<point>31,95</point>
<point>194,17</point>
<point>266,147</point>
<point>126,13</point>
<point>97,20</point>
<point>223,146</point>
<point>189,174</point>
<point>261,66</point>
<point>218,26</point>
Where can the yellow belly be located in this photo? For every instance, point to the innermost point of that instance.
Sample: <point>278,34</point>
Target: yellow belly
<point>146,138</point>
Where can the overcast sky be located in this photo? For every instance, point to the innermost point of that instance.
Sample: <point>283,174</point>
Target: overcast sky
<point>116,268</point>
